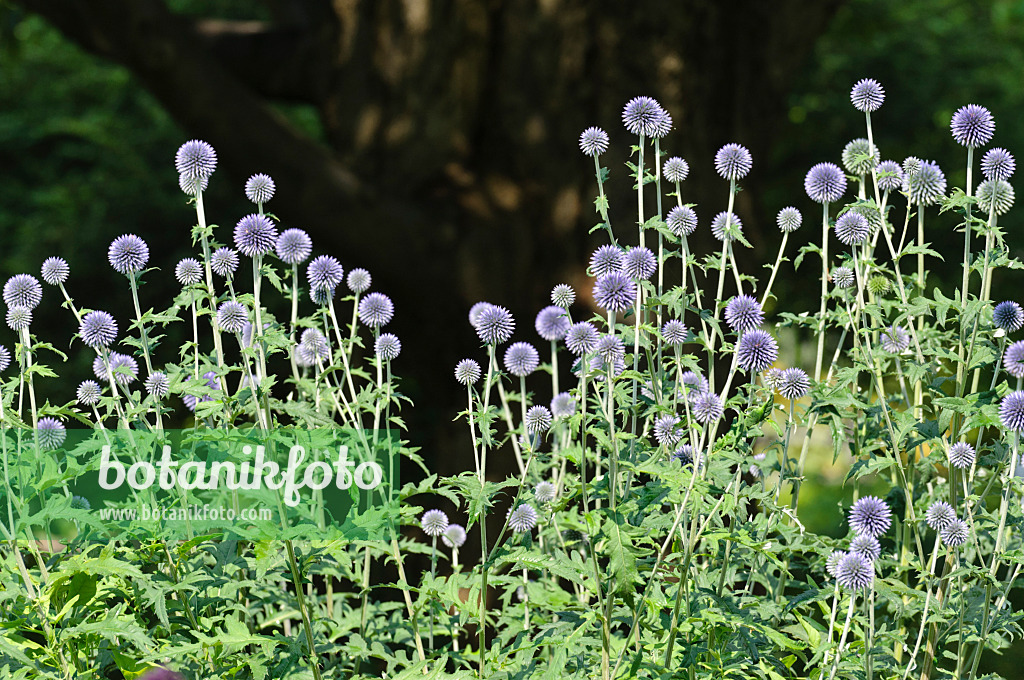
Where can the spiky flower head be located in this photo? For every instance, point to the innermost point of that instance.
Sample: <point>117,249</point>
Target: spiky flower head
<point>224,262</point>
<point>972,126</point>
<point>955,534</point>
<point>939,515</point>
<point>387,347</point>
<point>293,246</point>
<point>675,169</point>
<point>890,176</point>
<point>771,377</point>
<point>192,186</point>
<point>879,285</point>
<point>733,162</point>
<point>324,272</point>
<point>687,455</point>
<point>1011,411</point>
<point>726,225</point>
<point>552,323</point>
<point>789,219</point>
<point>376,310</point>
<point>639,263</point>
<point>605,260</point>
<point>1013,359</point>
<point>682,220</point>
<point>693,384</point>
<point>475,311</point>
<point>98,329</point>
<point>825,183</point>
<point>5,358</point>
<point>667,431</point>
<point>843,277</point>
<point>50,433</point>
<point>867,95</point>
<point>756,350</point>
<point>158,384</point>
<point>743,312</point>
<point>255,235</point>
<point>895,340</point>
<point>358,280</point>
<point>128,254</point>
<point>854,571</point>
<point>454,536</point>
<point>962,455</point>
<point>88,392</point>
<point>610,348</point>
<point>832,562</point>
<point>563,405</point>
<point>642,116</point>
<point>495,325</point>
<point>313,347</point>
<point>1009,316</point>
<point>794,383</point>
<point>614,292</point>
<point>545,492</point>
<point>562,295</point>
<point>55,270</point>
<point>124,368</point>
<point>911,165</point>
<point>926,185</point>
<point>662,125</point>
<point>995,196</point>
<point>998,164</point>
<point>870,515</point>
<point>866,545</point>
<point>22,290</point>
<point>434,522</point>
<point>521,359</point>
<point>593,141</point>
<point>860,157</point>
<point>231,316</point>
<point>707,407</point>
<point>674,332</point>
<point>852,228</point>
<point>19,318</point>
<point>188,271</point>
<point>467,372</point>
<point>522,519</point>
<point>259,189</point>
<point>195,158</point>
<point>537,420</point>
<point>581,338</point>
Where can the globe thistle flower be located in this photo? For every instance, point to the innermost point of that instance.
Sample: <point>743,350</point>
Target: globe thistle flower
<point>860,157</point>
<point>321,297</point>
<point>693,384</point>
<point>955,534</point>
<point>972,126</point>
<point>743,313</point>
<point>224,262</point>
<point>158,384</point>
<point>962,455</point>
<point>581,338</point>
<point>593,141</point>
<point>188,271</point>
<point>614,292</point>
<point>854,572</point>
<point>832,563</point>
<point>675,169</point>
<point>195,159</point>
<point>662,125</point>
<point>733,162</point>
<point>639,263</point>
<point>870,515</point>
<point>312,353</point>
<point>939,515</point>
<point>231,316</point>
<point>537,420</point>
<point>641,116</point>
<point>707,407</point>
<point>794,383</point>
<point>80,503</point>
<point>434,522</point>
<point>895,340</point>
<point>19,318</point>
<point>494,325</point>
<point>756,350</point>
<point>522,519</point>
<point>604,363</point>
<point>997,164</point>
<point>1008,316</point>
<point>23,290</point>
<point>867,95</point>
<point>552,323</point>
<point>521,359</point>
<point>563,405</point>
<point>255,235</point>
<point>293,246</point>
<point>376,310</point>
<point>610,348</point>
<point>926,185</point>
<point>316,344</point>
<point>563,295</point>
<point>995,196</point>
<point>667,431</point>
<point>674,332</point>
<point>1011,411</point>
<point>852,228</point>
<point>55,270</point>
<point>260,189</point>
<point>192,186</point>
<point>475,311</point>
<point>88,392</point>
<point>718,226</point>
<point>545,492</point>
<point>771,378</point>
<point>128,254</point>
<point>605,260</point>
<point>50,433</point>
<point>5,358</point>
<point>843,277</point>
<point>789,219</point>
<point>890,176</point>
<point>358,280</point>
<point>467,372</point>
<point>911,165</point>
<point>879,285</point>
<point>454,536</point>
<point>98,329</point>
<point>866,545</point>
<point>123,367</point>
<point>1013,359</point>
<point>682,220</point>
<point>387,347</point>
<point>825,183</point>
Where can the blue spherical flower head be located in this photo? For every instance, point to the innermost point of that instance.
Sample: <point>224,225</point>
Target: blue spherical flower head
<point>1013,359</point>
<point>495,325</point>
<point>55,270</point>
<point>832,563</point>
<point>852,228</point>
<point>793,383</point>
<point>521,359</point>
<point>674,333</point>
<point>867,546</point>
<point>376,310</point>
<point>675,169</point>
<point>962,455</point>
<point>434,522</point>
<point>860,157</point>
<point>870,515</point>
<point>682,220</point>
<point>610,349</point>
<point>726,226</point>
<point>259,188</point>
<point>955,534</point>
<point>1008,316</point>
<point>756,350</point>
<point>614,292</point>
<point>733,162</point>
<point>926,185</point>
<point>972,126</point>
<point>825,183</point>
<point>854,571</point>
<point>605,260</point>
<point>123,367</point>
<point>454,536</point>
<point>707,407</point>
<point>639,263</point>
<point>255,235</point>
<point>997,164</point>
<point>19,318</point>
<point>562,295</point>
<point>387,347</point>
<point>693,384</point>
<point>5,358</point>
<point>50,433</point>
<point>88,392</point>
<point>538,420</point>
<point>23,290</point>
<point>895,340</point>
<point>642,116</point>
<point>890,176</point>
<point>293,246</point>
<point>128,254</point>
<point>545,492</point>
<point>324,272</point>
<point>158,384</point>
<point>911,165</point>
<point>313,347</point>
<point>358,281</point>
<point>467,372</point>
<point>188,271</point>
<point>667,431</point>
<point>662,125</point>
<point>789,219</point>
<point>522,519</point>
<point>593,141</point>
<point>995,196</point>
<point>195,159</point>
<point>743,313</point>
<point>192,186</point>
<point>475,311</point>
<point>843,277</point>
<point>232,316</point>
<point>552,323</point>
<point>581,338</point>
<point>1011,411</point>
<point>939,515</point>
<point>98,329</point>
<point>563,405</point>
<point>867,95</point>
<point>224,262</point>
